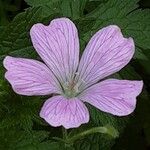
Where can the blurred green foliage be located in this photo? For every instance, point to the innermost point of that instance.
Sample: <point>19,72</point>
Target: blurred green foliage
<point>8,9</point>
<point>21,127</point>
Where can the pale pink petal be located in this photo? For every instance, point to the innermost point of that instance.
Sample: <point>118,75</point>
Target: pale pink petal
<point>70,113</point>
<point>117,97</point>
<point>58,46</point>
<point>106,53</point>
<point>30,77</point>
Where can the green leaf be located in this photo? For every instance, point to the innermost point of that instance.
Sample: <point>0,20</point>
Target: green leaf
<point>40,2</point>
<point>68,8</point>
<point>48,146</point>
<point>14,40</point>
<point>41,146</point>
<point>113,9</point>
<point>21,140</point>
<point>48,7</point>
<point>129,73</point>
<point>19,112</point>
<point>100,118</point>
<point>73,8</point>
<point>140,54</point>
<point>138,27</point>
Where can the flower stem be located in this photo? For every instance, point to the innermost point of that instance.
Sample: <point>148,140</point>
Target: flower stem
<point>106,130</point>
<point>65,138</point>
<point>64,131</point>
<point>68,141</point>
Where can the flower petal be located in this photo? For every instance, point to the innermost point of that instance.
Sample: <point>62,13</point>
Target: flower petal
<point>70,113</point>
<point>58,46</point>
<point>117,97</point>
<point>106,53</point>
<point>30,77</point>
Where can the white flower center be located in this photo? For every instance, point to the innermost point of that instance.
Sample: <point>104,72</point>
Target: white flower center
<point>71,89</point>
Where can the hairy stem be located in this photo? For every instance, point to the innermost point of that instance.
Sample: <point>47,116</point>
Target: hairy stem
<point>105,130</point>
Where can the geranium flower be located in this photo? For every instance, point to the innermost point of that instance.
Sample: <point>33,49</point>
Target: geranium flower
<point>72,82</point>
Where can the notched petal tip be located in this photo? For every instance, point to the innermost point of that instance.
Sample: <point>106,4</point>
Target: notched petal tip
<point>36,25</point>
<point>39,25</point>
<point>61,19</point>
<point>118,29</point>
<point>114,28</point>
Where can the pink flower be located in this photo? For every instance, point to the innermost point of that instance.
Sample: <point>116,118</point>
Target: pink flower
<point>72,82</point>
